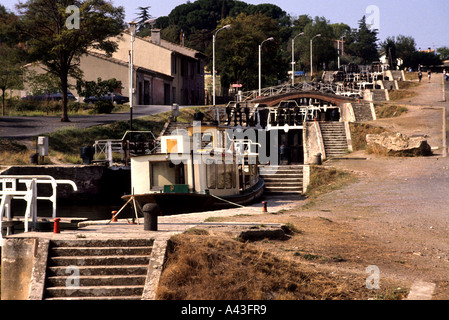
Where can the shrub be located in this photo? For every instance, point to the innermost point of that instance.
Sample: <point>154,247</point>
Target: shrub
<point>103,107</point>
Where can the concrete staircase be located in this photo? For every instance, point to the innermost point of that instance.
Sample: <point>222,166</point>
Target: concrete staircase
<point>362,112</point>
<point>102,269</point>
<point>282,179</point>
<point>334,138</point>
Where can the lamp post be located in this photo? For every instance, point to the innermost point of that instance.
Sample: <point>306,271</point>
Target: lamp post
<point>228,26</point>
<point>340,51</point>
<point>260,63</point>
<point>293,57</point>
<point>132,29</point>
<point>311,55</point>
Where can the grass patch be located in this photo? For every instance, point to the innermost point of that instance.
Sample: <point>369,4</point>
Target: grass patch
<point>12,152</point>
<point>405,85</point>
<point>359,132</point>
<point>65,143</point>
<point>324,180</point>
<point>396,95</point>
<point>219,268</point>
<point>389,111</point>
<point>196,231</point>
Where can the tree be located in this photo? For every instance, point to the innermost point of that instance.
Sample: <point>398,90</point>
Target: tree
<point>143,29</point>
<point>443,53</point>
<point>11,55</point>
<point>420,58</point>
<point>362,43</point>
<point>97,89</point>
<point>10,71</point>
<point>57,35</point>
<point>400,47</point>
<point>324,51</point>
<point>237,51</point>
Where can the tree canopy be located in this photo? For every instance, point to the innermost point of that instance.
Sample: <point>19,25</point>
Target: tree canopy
<point>59,32</point>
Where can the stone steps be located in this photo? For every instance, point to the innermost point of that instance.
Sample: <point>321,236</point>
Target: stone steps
<point>362,112</point>
<point>334,138</point>
<point>282,179</point>
<point>97,269</point>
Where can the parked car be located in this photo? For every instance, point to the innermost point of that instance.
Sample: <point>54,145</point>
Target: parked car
<point>118,99</point>
<point>51,96</point>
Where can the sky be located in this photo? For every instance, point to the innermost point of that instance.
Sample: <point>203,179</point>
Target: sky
<point>426,21</point>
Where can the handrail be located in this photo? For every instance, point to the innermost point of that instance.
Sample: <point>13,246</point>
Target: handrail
<point>9,191</point>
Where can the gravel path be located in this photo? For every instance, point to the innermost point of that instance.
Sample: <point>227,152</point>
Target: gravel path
<point>400,205</point>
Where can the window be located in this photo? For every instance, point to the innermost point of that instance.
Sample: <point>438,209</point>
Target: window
<point>211,174</point>
<point>220,175</point>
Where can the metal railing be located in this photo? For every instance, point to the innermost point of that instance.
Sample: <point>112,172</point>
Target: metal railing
<point>321,87</point>
<point>25,188</point>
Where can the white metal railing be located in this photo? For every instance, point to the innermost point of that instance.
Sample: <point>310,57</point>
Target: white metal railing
<point>105,148</point>
<point>25,188</point>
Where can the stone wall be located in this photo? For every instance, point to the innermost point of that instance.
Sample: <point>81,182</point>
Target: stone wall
<point>17,268</point>
<point>313,142</point>
<point>96,184</point>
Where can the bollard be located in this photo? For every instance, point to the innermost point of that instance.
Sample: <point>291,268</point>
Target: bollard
<point>264,208</point>
<point>150,214</point>
<point>114,218</point>
<point>56,227</point>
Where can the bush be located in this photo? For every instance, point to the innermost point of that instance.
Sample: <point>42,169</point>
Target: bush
<point>102,107</point>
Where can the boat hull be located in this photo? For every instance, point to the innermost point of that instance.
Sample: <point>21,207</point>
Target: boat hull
<point>182,203</point>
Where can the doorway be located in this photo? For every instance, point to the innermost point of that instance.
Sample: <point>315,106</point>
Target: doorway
<point>291,149</point>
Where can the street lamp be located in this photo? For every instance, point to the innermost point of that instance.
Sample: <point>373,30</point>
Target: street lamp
<point>132,29</point>
<point>311,55</point>
<point>228,26</point>
<point>260,63</point>
<point>340,51</point>
<point>293,57</point>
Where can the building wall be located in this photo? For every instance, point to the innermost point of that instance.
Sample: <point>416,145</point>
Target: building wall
<point>94,67</point>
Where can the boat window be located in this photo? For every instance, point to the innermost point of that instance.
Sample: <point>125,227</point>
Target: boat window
<point>221,175</point>
<point>207,140</point>
<point>211,174</point>
<point>230,176</point>
<point>162,173</point>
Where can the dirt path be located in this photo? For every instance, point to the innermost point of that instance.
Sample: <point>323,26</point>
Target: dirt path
<point>395,217</point>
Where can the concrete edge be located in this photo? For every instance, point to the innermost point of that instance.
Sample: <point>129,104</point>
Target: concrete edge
<point>305,178</point>
<point>37,282</point>
<point>320,140</point>
<point>421,290</point>
<point>155,266</point>
<point>348,136</point>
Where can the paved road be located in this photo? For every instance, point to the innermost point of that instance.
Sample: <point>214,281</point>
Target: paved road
<point>26,127</point>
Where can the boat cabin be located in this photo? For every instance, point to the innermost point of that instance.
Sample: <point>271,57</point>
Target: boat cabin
<point>203,159</point>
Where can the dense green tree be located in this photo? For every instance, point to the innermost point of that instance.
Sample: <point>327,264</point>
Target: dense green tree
<point>10,71</point>
<point>400,47</point>
<point>444,53</point>
<point>419,58</point>
<point>324,51</point>
<point>57,36</point>
<point>11,54</point>
<point>362,43</point>
<point>237,59</point>
<point>143,29</point>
